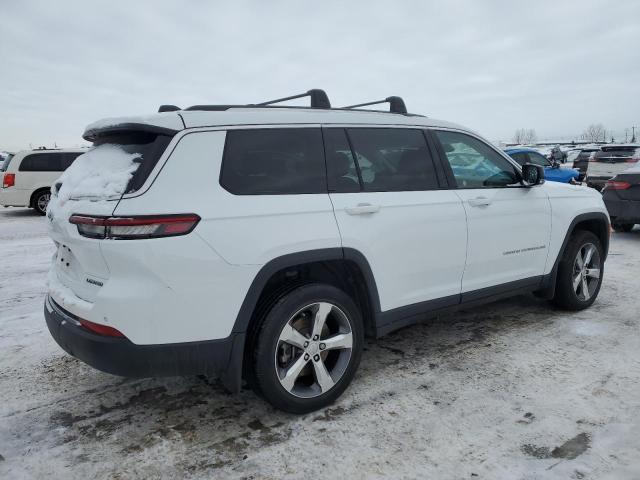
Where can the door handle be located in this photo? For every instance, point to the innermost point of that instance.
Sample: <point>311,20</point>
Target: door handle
<point>362,209</point>
<point>480,202</point>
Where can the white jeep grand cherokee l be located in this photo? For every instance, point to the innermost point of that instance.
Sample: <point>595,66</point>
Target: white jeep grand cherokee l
<point>263,243</point>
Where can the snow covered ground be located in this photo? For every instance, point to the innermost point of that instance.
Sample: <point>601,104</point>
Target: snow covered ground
<point>513,390</point>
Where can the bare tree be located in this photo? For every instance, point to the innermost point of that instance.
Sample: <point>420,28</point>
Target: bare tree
<point>525,136</point>
<point>531,136</point>
<point>594,133</point>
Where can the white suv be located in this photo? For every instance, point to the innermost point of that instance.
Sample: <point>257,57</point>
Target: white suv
<point>263,243</point>
<point>27,176</point>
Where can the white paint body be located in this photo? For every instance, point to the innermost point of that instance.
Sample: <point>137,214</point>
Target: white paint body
<point>27,182</point>
<point>421,245</point>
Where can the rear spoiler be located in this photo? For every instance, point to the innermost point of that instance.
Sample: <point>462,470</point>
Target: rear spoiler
<point>91,134</point>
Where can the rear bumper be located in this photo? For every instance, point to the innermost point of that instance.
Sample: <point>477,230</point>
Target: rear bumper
<point>13,197</point>
<point>119,356</point>
<point>623,211</point>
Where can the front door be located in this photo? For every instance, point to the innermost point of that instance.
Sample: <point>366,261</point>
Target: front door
<point>509,225</point>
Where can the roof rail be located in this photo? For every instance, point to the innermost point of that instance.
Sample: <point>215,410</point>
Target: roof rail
<point>396,104</point>
<point>319,99</point>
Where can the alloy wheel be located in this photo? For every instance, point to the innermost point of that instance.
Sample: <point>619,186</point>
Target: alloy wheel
<point>586,272</point>
<point>313,350</point>
<point>43,201</point>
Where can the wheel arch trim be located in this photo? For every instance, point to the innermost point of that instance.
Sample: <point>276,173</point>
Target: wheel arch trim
<point>549,281</point>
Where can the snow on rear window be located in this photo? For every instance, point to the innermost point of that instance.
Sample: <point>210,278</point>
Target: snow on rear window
<point>101,173</point>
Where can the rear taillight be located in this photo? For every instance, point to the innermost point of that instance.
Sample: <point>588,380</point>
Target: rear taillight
<point>616,185</point>
<point>132,228</point>
<point>8,180</point>
<point>100,329</point>
<point>632,159</point>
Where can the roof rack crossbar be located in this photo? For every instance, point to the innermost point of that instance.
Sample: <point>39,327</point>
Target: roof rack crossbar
<point>319,99</point>
<point>396,104</point>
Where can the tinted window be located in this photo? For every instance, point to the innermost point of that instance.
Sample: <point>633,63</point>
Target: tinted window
<point>393,159</point>
<point>149,146</point>
<point>5,164</point>
<point>474,163</point>
<point>42,162</point>
<point>342,173</point>
<point>538,159</point>
<point>68,158</point>
<point>274,161</point>
<point>520,157</point>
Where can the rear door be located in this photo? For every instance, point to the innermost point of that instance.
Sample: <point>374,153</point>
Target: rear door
<point>391,208</point>
<point>509,225</point>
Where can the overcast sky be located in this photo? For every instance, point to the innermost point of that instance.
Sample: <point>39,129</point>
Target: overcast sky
<point>493,66</point>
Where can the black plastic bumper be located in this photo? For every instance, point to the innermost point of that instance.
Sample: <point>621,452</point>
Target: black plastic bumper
<point>119,356</point>
<point>623,211</point>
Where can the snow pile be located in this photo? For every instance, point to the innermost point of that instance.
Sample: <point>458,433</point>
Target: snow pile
<point>102,172</point>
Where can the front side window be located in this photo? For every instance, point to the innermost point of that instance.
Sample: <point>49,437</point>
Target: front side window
<point>393,159</point>
<point>475,164</point>
<point>274,161</point>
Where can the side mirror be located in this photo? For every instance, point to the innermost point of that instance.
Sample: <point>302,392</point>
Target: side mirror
<point>532,175</point>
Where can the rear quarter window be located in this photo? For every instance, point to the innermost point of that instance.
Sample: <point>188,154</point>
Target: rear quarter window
<point>273,161</point>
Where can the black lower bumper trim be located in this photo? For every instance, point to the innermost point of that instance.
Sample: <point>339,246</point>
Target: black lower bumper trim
<point>119,356</point>
<point>623,211</point>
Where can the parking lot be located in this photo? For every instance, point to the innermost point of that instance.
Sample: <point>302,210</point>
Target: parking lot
<point>510,390</point>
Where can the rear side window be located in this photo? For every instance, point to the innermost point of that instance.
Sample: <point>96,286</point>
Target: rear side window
<point>150,147</point>
<point>342,172</point>
<point>393,159</point>
<point>42,162</point>
<point>68,158</point>
<point>274,161</point>
<point>520,157</point>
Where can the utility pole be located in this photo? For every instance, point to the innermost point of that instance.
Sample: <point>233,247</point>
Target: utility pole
<point>633,136</point>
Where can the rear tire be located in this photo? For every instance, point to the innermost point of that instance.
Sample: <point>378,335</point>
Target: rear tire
<point>308,348</point>
<point>41,200</point>
<point>623,227</point>
<point>580,272</point>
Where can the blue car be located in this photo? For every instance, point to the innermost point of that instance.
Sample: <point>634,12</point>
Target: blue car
<point>553,173</point>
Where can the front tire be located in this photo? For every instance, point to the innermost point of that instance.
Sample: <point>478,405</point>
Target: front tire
<point>580,272</point>
<point>308,348</point>
<point>41,200</point>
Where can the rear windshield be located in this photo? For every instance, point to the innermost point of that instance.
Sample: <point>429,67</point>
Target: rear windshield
<point>5,163</point>
<point>150,146</point>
